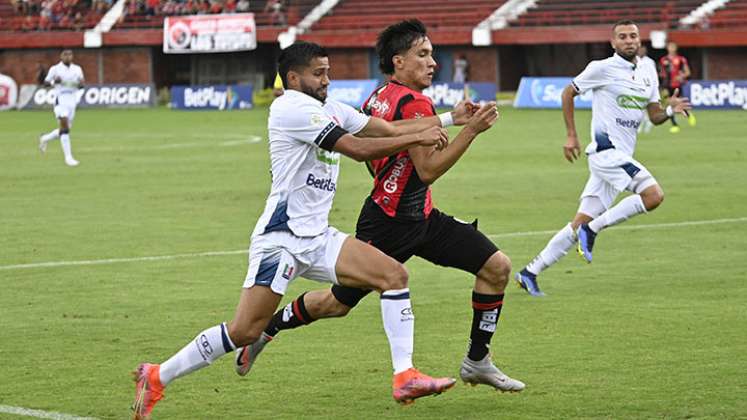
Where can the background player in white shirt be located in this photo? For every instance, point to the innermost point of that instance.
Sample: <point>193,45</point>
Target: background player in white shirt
<point>624,91</point>
<point>66,78</point>
<point>292,237</point>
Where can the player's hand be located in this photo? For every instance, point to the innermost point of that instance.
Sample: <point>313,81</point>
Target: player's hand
<point>679,104</point>
<point>57,80</point>
<point>463,111</point>
<point>484,118</point>
<point>572,148</point>
<point>434,136</point>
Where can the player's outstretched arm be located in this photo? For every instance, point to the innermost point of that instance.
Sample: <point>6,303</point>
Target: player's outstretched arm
<point>369,148</point>
<point>676,105</point>
<point>378,127</point>
<point>572,148</point>
<point>431,164</point>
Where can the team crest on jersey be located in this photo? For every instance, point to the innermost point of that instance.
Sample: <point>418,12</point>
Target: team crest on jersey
<point>316,119</point>
<point>418,115</point>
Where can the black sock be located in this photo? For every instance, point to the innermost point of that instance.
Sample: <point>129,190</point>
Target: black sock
<point>674,121</point>
<point>485,312</point>
<point>292,315</point>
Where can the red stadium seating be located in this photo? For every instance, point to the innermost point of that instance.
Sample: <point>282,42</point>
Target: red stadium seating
<point>604,12</point>
<point>294,13</point>
<point>733,16</point>
<point>436,14</point>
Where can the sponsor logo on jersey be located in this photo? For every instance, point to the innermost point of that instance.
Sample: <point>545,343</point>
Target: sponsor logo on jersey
<point>326,184</point>
<point>390,184</point>
<point>628,123</point>
<point>632,102</point>
<point>330,158</point>
<point>379,107</point>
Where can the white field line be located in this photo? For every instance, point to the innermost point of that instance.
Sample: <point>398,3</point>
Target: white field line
<point>39,414</point>
<point>51,264</point>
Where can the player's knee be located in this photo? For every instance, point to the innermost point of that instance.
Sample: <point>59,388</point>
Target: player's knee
<point>496,270</point>
<point>653,197</point>
<point>396,278</point>
<point>243,336</point>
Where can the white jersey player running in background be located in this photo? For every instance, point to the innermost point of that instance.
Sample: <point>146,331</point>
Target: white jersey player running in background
<point>624,92</point>
<point>66,78</point>
<point>292,238</point>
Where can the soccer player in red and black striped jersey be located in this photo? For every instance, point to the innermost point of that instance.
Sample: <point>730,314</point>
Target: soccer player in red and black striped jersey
<point>674,72</point>
<point>399,217</point>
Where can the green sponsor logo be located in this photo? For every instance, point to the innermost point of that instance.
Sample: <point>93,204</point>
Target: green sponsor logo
<point>632,102</point>
<point>330,158</point>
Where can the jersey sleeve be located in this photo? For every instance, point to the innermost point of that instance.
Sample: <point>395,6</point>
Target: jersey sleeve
<point>417,108</point>
<point>655,94</point>
<point>351,120</point>
<point>50,75</point>
<point>80,74</point>
<point>311,124</point>
<point>592,77</point>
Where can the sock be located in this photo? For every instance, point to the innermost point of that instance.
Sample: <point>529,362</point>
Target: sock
<point>554,250</point>
<point>622,211</point>
<point>486,309</point>
<point>66,149</point>
<point>674,121</point>
<point>51,135</point>
<point>207,347</point>
<point>293,315</point>
<point>399,324</point>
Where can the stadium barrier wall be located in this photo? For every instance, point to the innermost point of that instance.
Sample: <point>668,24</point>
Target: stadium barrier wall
<point>212,97</point>
<point>351,92</point>
<point>444,95</point>
<point>717,94</point>
<point>120,95</point>
<point>545,92</point>
<point>8,92</point>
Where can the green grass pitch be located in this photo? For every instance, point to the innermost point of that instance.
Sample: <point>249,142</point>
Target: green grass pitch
<point>656,327</point>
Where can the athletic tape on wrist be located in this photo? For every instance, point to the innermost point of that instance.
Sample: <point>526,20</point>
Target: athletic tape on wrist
<point>669,111</point>
<point>447,120</point>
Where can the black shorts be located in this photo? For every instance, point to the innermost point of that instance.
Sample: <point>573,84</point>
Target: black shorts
<point>440,239</point>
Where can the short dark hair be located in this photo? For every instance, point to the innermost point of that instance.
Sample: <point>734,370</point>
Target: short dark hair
<point>623,23</point>
<point>396,39</point>
<point>297,56</point>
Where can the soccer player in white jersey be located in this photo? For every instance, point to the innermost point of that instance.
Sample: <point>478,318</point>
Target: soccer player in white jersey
<point>623,93</point>
<point>66,78</point>
<point>292,238</point>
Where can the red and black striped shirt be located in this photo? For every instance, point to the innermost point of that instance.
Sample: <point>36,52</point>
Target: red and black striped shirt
<point>398,190</point>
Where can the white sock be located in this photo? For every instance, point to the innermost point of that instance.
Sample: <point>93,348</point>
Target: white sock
<point>554,250</point>
<point>399,324</point>
<point>66,149</point>
<point>51,135</point>
<point>207,347</point>
<point>622,211</point>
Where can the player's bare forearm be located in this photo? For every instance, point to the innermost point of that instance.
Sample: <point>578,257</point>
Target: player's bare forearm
<point>569,109</point>
<point>411,126</point>
<point>378,127</point>
<point>657,114</point>
<point>368,148</point>
<point>432,164</point>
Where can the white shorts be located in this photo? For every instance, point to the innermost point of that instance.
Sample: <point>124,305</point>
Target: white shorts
<point>612,172</point>
<point>277,258</point>
<point>65,111</point>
